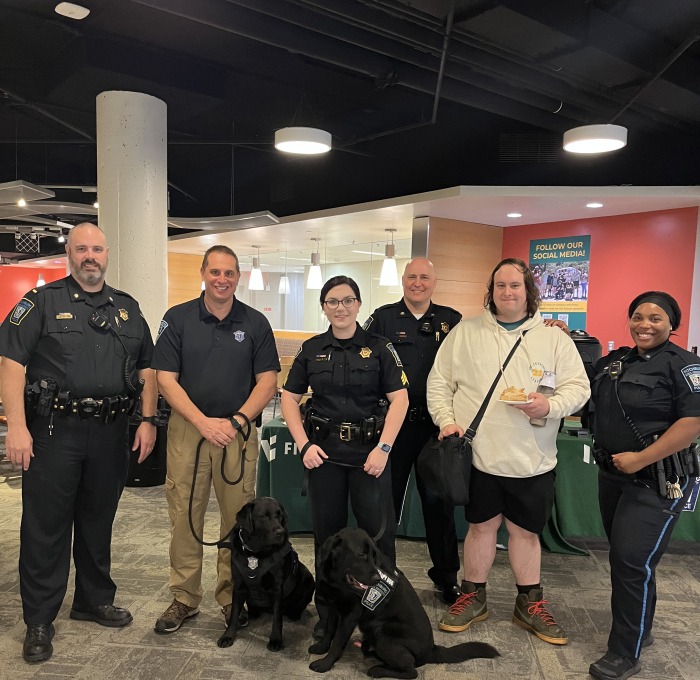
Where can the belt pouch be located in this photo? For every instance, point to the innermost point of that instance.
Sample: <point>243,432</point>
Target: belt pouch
<point>320,427</point>
<point>368,426</point>
<point>63,403</point>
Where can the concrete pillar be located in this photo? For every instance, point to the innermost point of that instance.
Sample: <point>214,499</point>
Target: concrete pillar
<point>132,188</point>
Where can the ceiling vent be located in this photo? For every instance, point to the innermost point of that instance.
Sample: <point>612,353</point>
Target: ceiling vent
<point>529,148</point>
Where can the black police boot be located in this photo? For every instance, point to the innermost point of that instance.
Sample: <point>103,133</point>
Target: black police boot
<point>614,667</point>
<point>37,642</point>
<point>448,593</point>
<point>104,614</point>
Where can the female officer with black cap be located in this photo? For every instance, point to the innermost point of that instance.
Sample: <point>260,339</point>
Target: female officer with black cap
<point>647,418</point>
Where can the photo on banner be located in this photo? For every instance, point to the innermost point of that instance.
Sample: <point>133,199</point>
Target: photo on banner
<point>560,267</point>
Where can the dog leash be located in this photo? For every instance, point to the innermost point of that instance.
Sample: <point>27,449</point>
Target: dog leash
<point>305,490</point>
<point>245,433</point>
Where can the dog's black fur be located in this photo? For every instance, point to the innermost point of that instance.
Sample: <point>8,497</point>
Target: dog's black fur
<point>397,632</point>
<point>280,583</point>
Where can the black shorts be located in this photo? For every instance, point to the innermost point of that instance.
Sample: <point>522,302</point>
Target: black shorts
<point>525,501</point>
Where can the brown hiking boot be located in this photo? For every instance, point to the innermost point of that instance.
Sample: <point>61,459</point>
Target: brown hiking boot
<point>530,613</point>
<point>174,616</point>
<point>469,608</point>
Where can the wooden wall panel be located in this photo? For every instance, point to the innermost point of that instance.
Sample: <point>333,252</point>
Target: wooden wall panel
<point>464,255</point>
<point>184,281</point>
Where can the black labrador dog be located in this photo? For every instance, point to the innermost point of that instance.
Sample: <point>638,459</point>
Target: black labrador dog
<point>267,573</point>
<point>364,589</point>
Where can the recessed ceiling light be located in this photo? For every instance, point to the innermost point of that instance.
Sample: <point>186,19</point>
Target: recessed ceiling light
<point>72,11</point>
<point>594,205</point>
<point>514,215</point>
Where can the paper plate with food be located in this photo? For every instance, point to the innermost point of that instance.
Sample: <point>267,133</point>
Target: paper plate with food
<point>514,395</point>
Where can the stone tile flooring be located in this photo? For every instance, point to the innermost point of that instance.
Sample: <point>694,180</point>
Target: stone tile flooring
<point>577,586</point>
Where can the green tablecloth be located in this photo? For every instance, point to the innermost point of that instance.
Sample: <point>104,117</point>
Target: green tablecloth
<point>575,513</point>
<point>576,506</point>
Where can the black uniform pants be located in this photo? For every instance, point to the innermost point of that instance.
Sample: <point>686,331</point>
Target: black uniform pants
<point>331,485</point>
<point>72,486</point>
<point>638,523</point>
<point>439,518</point>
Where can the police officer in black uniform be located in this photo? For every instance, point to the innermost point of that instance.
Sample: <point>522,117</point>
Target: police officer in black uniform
<point>86,348</point>
<point>646,421</point>
<point>417,326</point>
<point>353,374</point>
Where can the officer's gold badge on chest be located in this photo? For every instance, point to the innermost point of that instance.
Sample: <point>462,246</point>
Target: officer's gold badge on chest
<point>365,352</point>
<point>123,315</point>
<point>445,327</point>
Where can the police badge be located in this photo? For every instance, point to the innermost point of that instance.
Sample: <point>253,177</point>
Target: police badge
<point>365,352</point>
<point>445,327</point>
<point>123,315</point>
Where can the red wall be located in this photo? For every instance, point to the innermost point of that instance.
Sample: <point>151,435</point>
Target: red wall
<point>16,281</point>
<point>629,254</point>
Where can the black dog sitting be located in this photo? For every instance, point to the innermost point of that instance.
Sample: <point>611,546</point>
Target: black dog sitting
<point>267,573</point>
<point>363,588</point>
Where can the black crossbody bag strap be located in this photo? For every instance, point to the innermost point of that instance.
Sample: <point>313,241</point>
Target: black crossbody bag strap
<point>471,430</point>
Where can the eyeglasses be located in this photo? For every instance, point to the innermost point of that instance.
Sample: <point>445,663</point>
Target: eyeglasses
<point>332,303</point>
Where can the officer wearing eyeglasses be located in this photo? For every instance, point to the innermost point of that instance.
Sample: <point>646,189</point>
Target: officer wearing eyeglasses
<point>86,348</point>
<point>346,437</point>
<point>416,327</point>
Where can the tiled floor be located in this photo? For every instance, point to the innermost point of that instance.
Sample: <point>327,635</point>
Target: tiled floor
<point>577,586</point>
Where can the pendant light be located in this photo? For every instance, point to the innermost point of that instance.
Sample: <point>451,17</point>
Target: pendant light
<point>595,138</point>
<point>303,140</point>
<point>315,280</point>
<point>40,281</point>
<point>389,275</point>
<point>256,278</point>
<point>284,288</point>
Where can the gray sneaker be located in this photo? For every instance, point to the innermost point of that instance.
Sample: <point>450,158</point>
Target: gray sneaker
<point>174,616</point>
<point>530,613</point>
<point>469,608</point>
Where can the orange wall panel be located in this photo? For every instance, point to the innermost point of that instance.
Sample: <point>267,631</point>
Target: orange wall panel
<point>629,254</point>
<point>16,281</point>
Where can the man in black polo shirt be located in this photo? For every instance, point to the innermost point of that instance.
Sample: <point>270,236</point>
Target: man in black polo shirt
<point>417,326</point>
<point>216,365</point>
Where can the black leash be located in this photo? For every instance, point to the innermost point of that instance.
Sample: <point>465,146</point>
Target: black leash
<point>382,525</point>
<point>245,433</point>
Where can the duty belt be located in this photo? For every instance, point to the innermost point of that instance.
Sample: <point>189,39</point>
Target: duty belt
<point>106,409</point>
<point>367,431</point>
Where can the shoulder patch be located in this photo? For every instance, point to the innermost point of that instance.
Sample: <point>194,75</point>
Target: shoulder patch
<point>395,354</point>
<point>162,327</point>
<point>692,376</point>
<point>368,323</point>
<point>22,308</point>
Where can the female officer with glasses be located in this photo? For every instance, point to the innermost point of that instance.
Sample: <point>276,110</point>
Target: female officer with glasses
<point>352,374</point>
<point>647,414</point>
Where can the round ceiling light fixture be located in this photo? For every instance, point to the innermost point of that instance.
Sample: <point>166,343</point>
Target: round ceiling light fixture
<point>303,140</point>
<point>71,10</point>
<point>595,138</point>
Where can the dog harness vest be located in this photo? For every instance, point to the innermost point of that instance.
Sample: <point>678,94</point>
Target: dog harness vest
<point>380,592</point>
<point>254,567</point>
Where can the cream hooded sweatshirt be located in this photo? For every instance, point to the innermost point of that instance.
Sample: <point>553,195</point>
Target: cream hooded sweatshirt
<point>465,366</point>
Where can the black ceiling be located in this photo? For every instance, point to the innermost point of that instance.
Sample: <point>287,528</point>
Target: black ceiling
<point>517,74</point>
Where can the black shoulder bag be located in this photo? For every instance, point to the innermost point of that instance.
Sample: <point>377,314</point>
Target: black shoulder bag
<point>445,466</point>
